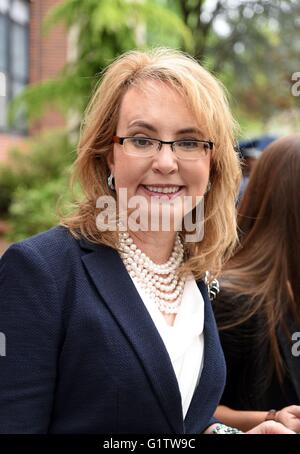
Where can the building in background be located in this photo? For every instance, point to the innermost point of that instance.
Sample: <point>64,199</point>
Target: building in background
<point>27,56</point>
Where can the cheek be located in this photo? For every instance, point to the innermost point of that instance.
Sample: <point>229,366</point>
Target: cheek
<point>197,176</point>
<point>129,171</point>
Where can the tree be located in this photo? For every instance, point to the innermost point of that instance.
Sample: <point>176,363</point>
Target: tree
<point>104,30</point>
<point>253,46</point>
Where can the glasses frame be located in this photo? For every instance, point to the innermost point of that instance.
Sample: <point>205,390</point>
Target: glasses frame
<point>120,140</point>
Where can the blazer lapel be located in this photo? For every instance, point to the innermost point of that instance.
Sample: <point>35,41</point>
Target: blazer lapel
<point>113,282</point>
<point>210,372</point>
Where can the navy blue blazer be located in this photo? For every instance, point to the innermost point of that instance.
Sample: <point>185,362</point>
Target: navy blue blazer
<point>82,352</point>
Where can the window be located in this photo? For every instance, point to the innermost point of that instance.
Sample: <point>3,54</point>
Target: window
<point>14,24</point>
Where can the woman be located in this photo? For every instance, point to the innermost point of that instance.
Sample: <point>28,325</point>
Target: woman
<point>258,308</point>
<point>107,329</point>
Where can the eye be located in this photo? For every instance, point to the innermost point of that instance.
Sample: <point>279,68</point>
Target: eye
<point>141,142</point>
<point>188,144</point>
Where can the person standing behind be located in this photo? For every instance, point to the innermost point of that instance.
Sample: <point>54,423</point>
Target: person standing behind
<point>258,307</point>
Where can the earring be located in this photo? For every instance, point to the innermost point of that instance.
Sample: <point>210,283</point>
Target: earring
<point>111,182</point>
<point>208,187</point>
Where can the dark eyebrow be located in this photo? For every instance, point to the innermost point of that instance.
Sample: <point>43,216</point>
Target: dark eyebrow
<point>146,125</point>
<point>142,124</point>
<point>189,131</point>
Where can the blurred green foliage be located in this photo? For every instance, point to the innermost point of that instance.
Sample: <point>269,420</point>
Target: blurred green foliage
<point>33,188</point>
<point>34,209</point>
<point>100,31</point>
<point>252,46</point>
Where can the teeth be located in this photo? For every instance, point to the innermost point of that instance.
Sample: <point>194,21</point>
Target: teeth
<point>168,190</point>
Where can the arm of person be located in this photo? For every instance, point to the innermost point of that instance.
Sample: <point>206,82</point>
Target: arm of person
<point>247,420</point>
<point>29,320</point>
<point>243,420</point>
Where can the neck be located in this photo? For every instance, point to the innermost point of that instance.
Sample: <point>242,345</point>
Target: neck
<point>157,246</point>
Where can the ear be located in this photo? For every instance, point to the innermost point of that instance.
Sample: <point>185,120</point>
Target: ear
<point>110,159</point>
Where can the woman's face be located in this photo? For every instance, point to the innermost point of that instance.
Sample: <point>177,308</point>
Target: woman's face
<point>157,111</point>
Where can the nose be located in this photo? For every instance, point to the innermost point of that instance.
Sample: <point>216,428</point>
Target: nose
<point>165,161</point>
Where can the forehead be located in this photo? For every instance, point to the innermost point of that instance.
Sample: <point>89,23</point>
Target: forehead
<point>158,103</point>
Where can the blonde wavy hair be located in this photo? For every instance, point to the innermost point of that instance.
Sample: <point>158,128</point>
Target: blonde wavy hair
<point>206,98</point>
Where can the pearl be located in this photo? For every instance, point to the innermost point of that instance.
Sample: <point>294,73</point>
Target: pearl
<point>166,292</point>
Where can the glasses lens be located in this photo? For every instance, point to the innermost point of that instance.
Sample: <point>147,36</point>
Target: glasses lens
<point>140,146</point>
<point>191,149</point>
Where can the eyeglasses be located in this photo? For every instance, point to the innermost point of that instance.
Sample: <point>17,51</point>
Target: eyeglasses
<point>146,147</point>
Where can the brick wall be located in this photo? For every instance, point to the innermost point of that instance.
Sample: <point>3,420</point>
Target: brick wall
<point>47,56</point>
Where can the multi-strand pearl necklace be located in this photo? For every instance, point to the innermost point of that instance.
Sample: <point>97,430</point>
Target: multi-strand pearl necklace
<point>166,291</point>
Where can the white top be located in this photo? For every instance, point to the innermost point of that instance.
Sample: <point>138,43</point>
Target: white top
<point>184,340</point>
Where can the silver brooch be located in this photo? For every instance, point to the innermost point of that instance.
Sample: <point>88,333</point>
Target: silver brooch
<point>213,287</point>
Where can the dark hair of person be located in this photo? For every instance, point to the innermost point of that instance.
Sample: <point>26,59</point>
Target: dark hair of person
<point>263,276</point>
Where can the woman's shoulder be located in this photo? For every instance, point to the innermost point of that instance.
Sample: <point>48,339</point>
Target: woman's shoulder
<point>51,247</point>
<point>56,237</point>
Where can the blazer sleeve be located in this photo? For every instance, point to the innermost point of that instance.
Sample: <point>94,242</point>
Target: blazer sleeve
<point>212,421</point>
<point>30,322</point>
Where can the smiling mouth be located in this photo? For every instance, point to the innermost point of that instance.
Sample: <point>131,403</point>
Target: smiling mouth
<point>160,191</point>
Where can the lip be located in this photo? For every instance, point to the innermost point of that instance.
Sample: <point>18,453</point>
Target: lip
<point>157,185</point>
<point>159,196</point>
